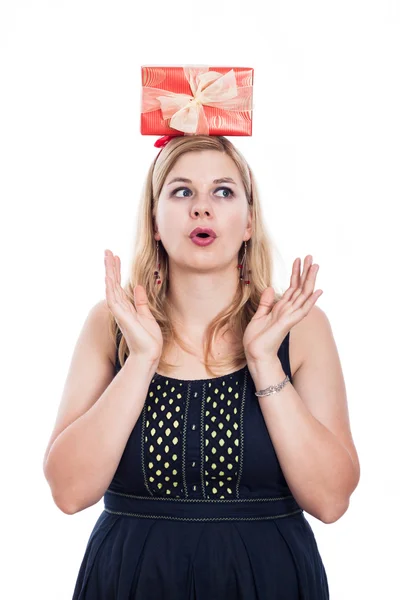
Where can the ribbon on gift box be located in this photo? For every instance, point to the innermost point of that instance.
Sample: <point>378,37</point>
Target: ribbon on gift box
<point>209,88</point>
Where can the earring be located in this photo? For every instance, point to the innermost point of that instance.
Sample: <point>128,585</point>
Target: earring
<point>246,280</point>
<point>156,272</point>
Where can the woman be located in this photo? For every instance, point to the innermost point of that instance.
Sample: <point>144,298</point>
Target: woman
<point>205,431</point>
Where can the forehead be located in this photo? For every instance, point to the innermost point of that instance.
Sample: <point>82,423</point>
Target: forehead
<point>204,166</point>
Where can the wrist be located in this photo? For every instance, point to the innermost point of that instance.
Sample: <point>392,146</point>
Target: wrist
<point>266,372</point>
<point>146,364</point>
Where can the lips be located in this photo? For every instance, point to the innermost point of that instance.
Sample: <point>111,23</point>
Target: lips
<point>204,231</point>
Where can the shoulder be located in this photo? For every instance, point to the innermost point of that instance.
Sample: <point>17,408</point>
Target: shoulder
<point>101,316</point>
<point>305,334</point>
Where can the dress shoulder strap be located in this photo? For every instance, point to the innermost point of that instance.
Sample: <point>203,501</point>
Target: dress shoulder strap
<point>283,354</point>
<point>117,363</point>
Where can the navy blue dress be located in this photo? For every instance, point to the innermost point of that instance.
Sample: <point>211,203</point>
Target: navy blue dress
<point>199,508</point>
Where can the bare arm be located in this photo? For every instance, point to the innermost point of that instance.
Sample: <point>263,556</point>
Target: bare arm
<point>84,457</point>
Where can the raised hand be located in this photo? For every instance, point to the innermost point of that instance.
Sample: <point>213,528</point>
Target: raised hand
<point>139,328</point>
<point>271,323</point>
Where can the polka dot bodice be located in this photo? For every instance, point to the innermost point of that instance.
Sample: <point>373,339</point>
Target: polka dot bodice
<point>202,440</point>
<point>197,424</point>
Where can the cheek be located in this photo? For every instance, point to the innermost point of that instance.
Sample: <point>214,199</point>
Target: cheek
<point>235,223</point>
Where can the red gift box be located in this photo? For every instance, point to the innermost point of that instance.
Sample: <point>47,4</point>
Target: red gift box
<point>196,100</point>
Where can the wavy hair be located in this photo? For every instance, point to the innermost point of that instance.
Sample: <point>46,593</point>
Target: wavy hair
<point>235,317</point>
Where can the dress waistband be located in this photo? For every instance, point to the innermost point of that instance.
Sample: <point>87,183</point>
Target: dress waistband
<point>198,509</point>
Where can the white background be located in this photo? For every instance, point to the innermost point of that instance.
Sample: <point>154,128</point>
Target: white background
<point>325,151</point>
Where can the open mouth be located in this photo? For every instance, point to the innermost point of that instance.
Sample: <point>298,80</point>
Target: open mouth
<point>202,235</point>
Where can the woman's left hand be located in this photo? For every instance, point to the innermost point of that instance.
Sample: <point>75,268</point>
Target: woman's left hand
<point>268,328</point>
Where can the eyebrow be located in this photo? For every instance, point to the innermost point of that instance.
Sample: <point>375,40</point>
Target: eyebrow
<point>220,180</point>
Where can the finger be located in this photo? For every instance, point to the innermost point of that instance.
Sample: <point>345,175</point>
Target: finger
<point>309,303</point>
<point>294,280</point>
<point>109,279</point>
<point>118,268</point>
<point>306,268</point>
<point>301,278</point>
<point>117,281</point>
<point>308,287</point>
<point>265,304</point>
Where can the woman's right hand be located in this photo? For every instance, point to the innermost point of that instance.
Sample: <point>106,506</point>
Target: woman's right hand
<point>138,326</point>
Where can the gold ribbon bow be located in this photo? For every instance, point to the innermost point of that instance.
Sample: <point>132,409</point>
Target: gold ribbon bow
<point>209,88</point>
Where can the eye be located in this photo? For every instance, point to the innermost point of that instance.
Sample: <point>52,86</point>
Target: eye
<point>231,193</point>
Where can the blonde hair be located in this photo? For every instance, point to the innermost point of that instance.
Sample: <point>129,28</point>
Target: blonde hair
<point>238,314</point>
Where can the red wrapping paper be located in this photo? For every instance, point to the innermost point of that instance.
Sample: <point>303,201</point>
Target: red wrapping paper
<point>196,100</point>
